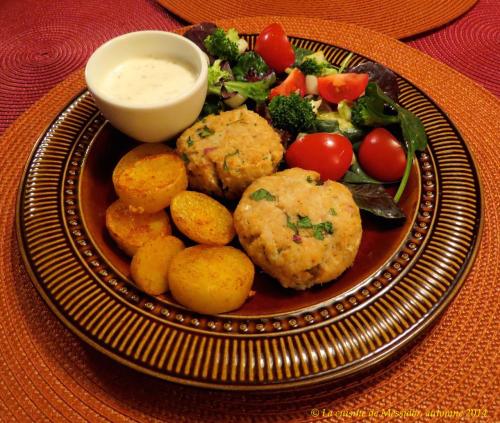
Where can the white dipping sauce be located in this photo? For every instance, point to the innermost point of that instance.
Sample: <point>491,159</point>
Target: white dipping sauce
<point>147,81</point>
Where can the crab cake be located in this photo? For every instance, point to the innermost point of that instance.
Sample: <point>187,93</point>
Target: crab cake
<point>299,230</point>
<point>225,153</point>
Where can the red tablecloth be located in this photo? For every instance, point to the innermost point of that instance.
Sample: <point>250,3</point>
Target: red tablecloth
<point>42,42</point>
<point>470,44</point>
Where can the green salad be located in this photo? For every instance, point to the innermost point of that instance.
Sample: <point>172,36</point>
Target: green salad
<point>343,122</point>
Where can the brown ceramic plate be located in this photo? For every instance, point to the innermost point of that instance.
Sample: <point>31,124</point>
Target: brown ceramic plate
<point>401,279</point>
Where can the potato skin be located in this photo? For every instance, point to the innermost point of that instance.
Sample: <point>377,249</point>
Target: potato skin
<point>202,219</point>
<point>147,178</point>
<point>138,153</point>
<point>149,267</point>
<point>210,279</point>
<point>130,230</point>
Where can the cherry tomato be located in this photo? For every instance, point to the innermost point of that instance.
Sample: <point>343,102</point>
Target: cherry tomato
<point>294,83</point>
<point>328,154</point>
<point>381,156</point>
<point>273,45</point>
<point>342,86</point>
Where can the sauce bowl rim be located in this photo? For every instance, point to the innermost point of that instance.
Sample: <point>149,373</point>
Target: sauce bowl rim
<point>90,68</point>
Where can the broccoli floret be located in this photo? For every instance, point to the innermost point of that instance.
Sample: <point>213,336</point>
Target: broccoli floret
<point>300,54</point>
<point>336,122</point>
<point>233,35</point>
<point>213,106</point>
<point>369,111</point>
<point>257,91</point>
<point>292,113</point>
<point>223,45</point>
<point>250,66</point>
<point>316,64</point>
<point>311,67</point>
<point>216,76</point>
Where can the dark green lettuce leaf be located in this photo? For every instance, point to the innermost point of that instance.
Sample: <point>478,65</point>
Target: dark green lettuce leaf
<point>356,175</point>
<point>197,33</point>
<point>375,200</point>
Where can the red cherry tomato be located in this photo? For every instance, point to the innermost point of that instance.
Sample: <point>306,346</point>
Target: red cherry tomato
<point>328,154</point>
<point>342,86</point>
<point>381,156</point>
<point>273,45</point>
<point>294,83</point>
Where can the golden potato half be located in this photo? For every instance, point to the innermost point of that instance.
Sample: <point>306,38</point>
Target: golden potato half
<point>209,279</point>
<point>130,230</point>
<point>147,177</point>
<point>202,219</point>
<point>137,153</point>
<point>149,267</point>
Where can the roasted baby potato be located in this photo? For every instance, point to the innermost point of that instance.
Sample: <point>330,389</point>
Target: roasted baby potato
<point>211,279</point>
<point>201,218</point>
<point>137,153</point>
<point>149,267</point>
<point>130,230</point>
<point>147,177</point>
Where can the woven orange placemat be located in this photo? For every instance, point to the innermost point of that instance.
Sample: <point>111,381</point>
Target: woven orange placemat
<point>397,18</point>
<point>48,374</point>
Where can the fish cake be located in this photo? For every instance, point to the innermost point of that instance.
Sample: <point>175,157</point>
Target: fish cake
<point>299,230</point>
<point>225,153</point>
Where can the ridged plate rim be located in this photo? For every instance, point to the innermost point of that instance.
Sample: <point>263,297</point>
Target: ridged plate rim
<point>368,360</point>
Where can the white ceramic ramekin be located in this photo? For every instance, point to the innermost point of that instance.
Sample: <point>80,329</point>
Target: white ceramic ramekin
<point>167,118</point>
